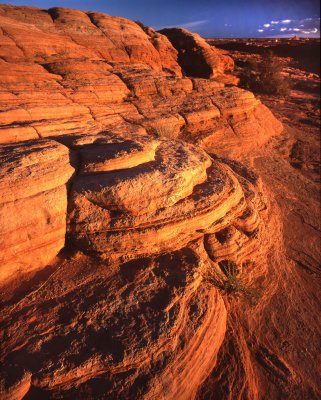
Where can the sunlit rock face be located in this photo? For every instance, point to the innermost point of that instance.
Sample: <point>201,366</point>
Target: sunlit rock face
<point>167,194</point>
<point>136,316</point>
<point>69,72</point>
<point>33,204</point>
<point>111,154</point>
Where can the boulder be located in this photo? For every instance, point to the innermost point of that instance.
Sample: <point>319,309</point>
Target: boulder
<point>141,196</point>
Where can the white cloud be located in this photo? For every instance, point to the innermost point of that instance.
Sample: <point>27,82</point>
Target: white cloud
<point>187,25</point>
<point>193,24</point>
<point>310,31</point>
<point>288,27</point>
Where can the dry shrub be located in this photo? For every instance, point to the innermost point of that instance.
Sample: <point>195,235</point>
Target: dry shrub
<point>266,76</point>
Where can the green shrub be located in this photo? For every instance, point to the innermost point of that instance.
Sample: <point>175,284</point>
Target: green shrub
<point>229,279</point>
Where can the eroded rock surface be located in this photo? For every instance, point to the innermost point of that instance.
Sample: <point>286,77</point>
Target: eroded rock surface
<point>197,58</point>
<point>33,204</point>
<point>94,331</point>
<point>136,317</point>
<point>136,305</point>
<point>69,72</point>
<point>182,194</point>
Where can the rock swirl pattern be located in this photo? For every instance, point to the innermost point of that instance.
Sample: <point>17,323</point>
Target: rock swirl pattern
<point>130,314</point>
<point>112,212</point>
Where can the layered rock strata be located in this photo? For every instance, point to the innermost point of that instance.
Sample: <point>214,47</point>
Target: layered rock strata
<point>142,320</point>
<point>88,103</point>
<point>139,330</point>
<point>197,57</point>
<point>239,242</point>
<point>33,204</point>
<point>132,195</point>
<point>68,72</point>
<point>182,194</point>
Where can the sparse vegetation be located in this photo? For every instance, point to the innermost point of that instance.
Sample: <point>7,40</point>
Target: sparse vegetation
<point>167,131</point>
<point>228,278</point>
<point>266,76</point>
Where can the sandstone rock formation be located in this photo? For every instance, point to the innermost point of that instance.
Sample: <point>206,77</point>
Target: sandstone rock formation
<point>115,152</point>
<point>71,72</point>
<point>142,320</point>
<point>33,204</point>
<point>103,335</point>
<point>197,57</point>
<point>183,194</point>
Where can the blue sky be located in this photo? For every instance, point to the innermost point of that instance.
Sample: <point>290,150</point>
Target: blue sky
<point>210,18</point>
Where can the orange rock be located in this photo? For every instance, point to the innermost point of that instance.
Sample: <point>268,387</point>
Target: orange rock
<point>73,72</point>
<point>33,204</point>
<point>167,52</point>
<point>147,206</point>
<point>137,316</point>
<point>196,57</point>
<point>152,320</point>
<point>182,195</point>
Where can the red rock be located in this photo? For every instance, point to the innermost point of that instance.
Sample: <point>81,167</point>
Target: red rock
<point>196,57</point>
<point>167,52</point>
<point>91,72</point>
<point>140,315</point>
<point>33,204</point>
<point>183,194</point>
<point>147,206</point>
<point>115,320</point>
